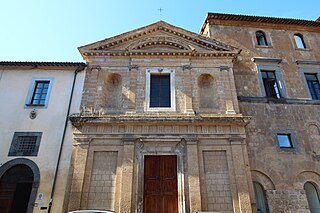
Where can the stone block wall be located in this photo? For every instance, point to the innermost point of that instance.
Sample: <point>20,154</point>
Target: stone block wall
<point>188,86</point>
<point>102,184</point>
<point>283,201</point>
<point>217,180</point>
<point>281,45</point>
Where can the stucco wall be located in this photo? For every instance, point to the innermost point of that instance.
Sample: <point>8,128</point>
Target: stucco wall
<point>14,87</point>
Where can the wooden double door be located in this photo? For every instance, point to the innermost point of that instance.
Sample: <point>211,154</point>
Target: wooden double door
<point>160,184</point>
<point>15,189</point>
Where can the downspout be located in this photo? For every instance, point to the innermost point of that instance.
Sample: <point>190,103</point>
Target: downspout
<point>79,69</point>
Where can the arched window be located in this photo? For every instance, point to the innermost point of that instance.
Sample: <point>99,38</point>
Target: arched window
<point>261,201</point>
<point>261,38</point>
<point>312,197</point>
<point>299,41</point>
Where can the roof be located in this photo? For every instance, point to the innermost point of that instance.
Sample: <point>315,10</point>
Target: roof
<point>158,39</point>
<point>46,64</point>
<point>259,19</point>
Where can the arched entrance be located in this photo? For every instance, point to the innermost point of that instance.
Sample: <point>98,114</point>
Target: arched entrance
<point>19,180</point>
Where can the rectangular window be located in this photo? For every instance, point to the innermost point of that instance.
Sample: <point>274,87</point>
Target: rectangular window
<point>25,144</point>
<point>39,91</point>
<point>160,90</point>
<point>270,84</point>
<point>284,141</point>
<point>313,85</point>
<point>160,94</point>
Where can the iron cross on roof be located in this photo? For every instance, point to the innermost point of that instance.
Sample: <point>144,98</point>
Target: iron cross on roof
<point>160,11</point>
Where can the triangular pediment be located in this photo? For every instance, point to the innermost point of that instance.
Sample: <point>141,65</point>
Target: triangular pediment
<point>158,38</point>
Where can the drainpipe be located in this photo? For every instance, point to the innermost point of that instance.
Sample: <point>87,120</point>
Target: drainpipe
<point>79,69</point>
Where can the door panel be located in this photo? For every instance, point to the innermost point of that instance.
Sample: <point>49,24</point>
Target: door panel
<point>15,189</point>
<point>6,196</point>
<point>160,184</point>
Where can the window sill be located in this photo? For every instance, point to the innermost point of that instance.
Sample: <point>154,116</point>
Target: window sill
<point>280,101</point>
<point>303,49</point>
<point>35,106</point>
<point>287,150</point>
<point>160,109</point>
<point>262,46</point>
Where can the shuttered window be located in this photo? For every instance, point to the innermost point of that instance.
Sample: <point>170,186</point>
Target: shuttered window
<point>160,93</point>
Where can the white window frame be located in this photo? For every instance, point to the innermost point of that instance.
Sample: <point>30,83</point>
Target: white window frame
<point>151,71</point>
<point>31,92</point>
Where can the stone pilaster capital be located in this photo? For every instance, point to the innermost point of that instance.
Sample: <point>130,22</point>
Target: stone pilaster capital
<point>191,140</point>
<point>83,141</point>
<point>236,140</point>
<point>128,140</point>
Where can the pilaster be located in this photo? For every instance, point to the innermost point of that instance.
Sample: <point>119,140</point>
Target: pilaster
<point>79,165</point>
<point>127,175</point>
<point>193,175</point>
<point>242,182</point>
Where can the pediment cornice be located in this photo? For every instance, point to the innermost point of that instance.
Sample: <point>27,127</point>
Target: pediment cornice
<point>157,39</point>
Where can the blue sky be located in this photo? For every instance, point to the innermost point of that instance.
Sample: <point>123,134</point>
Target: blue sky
<point>51,30</point>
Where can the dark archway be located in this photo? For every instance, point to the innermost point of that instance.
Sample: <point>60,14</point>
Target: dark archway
<point>19,181</point>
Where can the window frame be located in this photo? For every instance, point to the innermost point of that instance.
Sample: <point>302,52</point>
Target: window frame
<point>263,34</point>
<point>13,147</point>
<point>155,71</point>
<point>301,37</point>
<point>292,137</point>
<point>289,140</point>
<point>317,80</point>
<point>278,75</point>
<point>274,88</point>
<point>315,187</point>
<point>256,184</point>
<point>31,92</point>
<point>315,70</point>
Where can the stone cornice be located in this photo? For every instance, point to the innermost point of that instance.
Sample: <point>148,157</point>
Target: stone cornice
<point>307,62</point>
<point>241,20</point>
<point>237,119</point>
<point>162,53</point>
<point>266,60</point>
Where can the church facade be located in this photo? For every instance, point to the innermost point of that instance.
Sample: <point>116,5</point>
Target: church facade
<point>164,120</point>
<point>224,121</point>
<point>160,123</point>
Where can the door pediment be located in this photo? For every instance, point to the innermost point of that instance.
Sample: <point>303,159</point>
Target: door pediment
<point>159,38</point>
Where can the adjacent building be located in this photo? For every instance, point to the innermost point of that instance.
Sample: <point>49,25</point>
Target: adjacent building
<point>35,102</point>
<point>277,81</point>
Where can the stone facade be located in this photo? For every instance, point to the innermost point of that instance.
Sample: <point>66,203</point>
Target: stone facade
<point>220,122</point>
<point>281,172</point>
<point>116,118</point>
